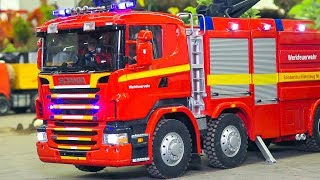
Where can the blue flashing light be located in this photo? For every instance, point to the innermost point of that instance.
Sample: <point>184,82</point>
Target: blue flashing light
<point>123,5</point>
<point>62,12</point>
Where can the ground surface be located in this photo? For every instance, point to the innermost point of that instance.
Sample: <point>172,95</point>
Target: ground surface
<point>18,160</point>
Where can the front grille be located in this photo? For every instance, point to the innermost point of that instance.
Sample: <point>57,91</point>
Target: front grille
<point>75,136</point>
<point>74,112</point>
<point>75,101</point>
<point>68,108</point>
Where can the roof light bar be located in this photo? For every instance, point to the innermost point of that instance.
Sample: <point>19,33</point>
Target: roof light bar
<point>123,5</point>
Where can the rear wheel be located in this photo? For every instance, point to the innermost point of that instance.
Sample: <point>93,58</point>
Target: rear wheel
<point>171,149</point>
<point>4,105</point>
<point>226,141</point>
<point>312,143</point>
<point>89,168</point>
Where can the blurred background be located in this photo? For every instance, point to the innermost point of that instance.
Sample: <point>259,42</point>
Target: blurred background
<point>18,44</point>
<point>18,18</point>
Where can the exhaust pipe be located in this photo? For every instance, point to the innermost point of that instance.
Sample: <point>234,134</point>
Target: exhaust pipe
<point>301,137</point>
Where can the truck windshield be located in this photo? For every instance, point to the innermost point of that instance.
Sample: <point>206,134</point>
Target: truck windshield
<point>83,51</point>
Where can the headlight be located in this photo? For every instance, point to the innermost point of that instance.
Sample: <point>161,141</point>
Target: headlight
<point>115,139</point>
<point>42,137</point>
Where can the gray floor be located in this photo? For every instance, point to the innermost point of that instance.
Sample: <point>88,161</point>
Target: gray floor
<point>18,160</point>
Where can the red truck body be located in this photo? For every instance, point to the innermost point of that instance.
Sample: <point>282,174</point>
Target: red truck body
<point>265,72</point>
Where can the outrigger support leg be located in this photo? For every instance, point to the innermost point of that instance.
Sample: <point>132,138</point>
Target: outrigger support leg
<point>265,151</point>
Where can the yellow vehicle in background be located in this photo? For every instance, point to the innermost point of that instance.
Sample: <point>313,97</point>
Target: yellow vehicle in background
<point>22,74</point>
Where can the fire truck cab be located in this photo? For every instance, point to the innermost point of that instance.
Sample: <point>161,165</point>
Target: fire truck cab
<point>154,91</point>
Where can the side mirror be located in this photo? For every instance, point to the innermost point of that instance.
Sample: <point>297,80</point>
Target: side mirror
<point>144,48</point>
<point>39,59</point>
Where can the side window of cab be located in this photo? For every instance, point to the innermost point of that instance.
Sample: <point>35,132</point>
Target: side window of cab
<point>156,40</point>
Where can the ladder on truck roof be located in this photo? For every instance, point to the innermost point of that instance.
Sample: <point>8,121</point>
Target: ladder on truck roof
<point>195,44</point>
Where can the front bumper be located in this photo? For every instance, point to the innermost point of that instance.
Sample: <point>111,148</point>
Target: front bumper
<point>115,156</point>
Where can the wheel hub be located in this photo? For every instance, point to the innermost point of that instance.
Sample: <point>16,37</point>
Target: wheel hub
<point>230,141</point>
<point>172,149</point>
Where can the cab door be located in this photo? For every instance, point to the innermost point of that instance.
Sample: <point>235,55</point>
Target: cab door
<point>167,81</point>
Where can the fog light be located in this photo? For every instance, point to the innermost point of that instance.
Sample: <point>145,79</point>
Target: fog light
<point>42,137</point>
<point>115,139</point>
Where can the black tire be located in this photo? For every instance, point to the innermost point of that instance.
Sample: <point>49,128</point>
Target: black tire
<point>4,105</point>
<point>20,110</point>
<point>312,143</point>
<point>89,168</point>
<point>159,168</point>
<point>213,146</point>
<point>252,146</point>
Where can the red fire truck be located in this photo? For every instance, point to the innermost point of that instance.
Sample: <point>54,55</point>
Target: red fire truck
<point>124,88</point>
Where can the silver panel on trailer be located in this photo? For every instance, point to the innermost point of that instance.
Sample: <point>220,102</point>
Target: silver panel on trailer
<point>229,56</point>
<point>264,57</point>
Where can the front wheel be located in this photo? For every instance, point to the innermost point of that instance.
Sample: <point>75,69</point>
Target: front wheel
<point>226,141</point>
<point>89,168</point>
<point>171,149</point>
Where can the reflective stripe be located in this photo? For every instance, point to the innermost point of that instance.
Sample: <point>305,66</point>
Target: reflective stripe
<point>72,117</point>
<point>73,129</point>
<point>228,79</point>
<point>75,147</point>
<point>261,79</point>
<point>78,96</point>
<point>265,79</point>
<point>74,138</point>
<point>73,158</point>
<point>62,106</point>
<point>156,72</point>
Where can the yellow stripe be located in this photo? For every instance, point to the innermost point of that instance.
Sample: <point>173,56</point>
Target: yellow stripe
<point>265,79</point>
<point>76,147</point>
<point>299,76</point>
<point>75,138</point>
<point>90,96</point>
<point>73,158</point>
<point>57,117</point>
<point>80,129</point>
<point>87,117</point>
<point>60,117</point>
<point>228,79</point>
<point>49,78</point>
<point>153,73</point>
<point>95,77</point>
<point>261,79</point>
